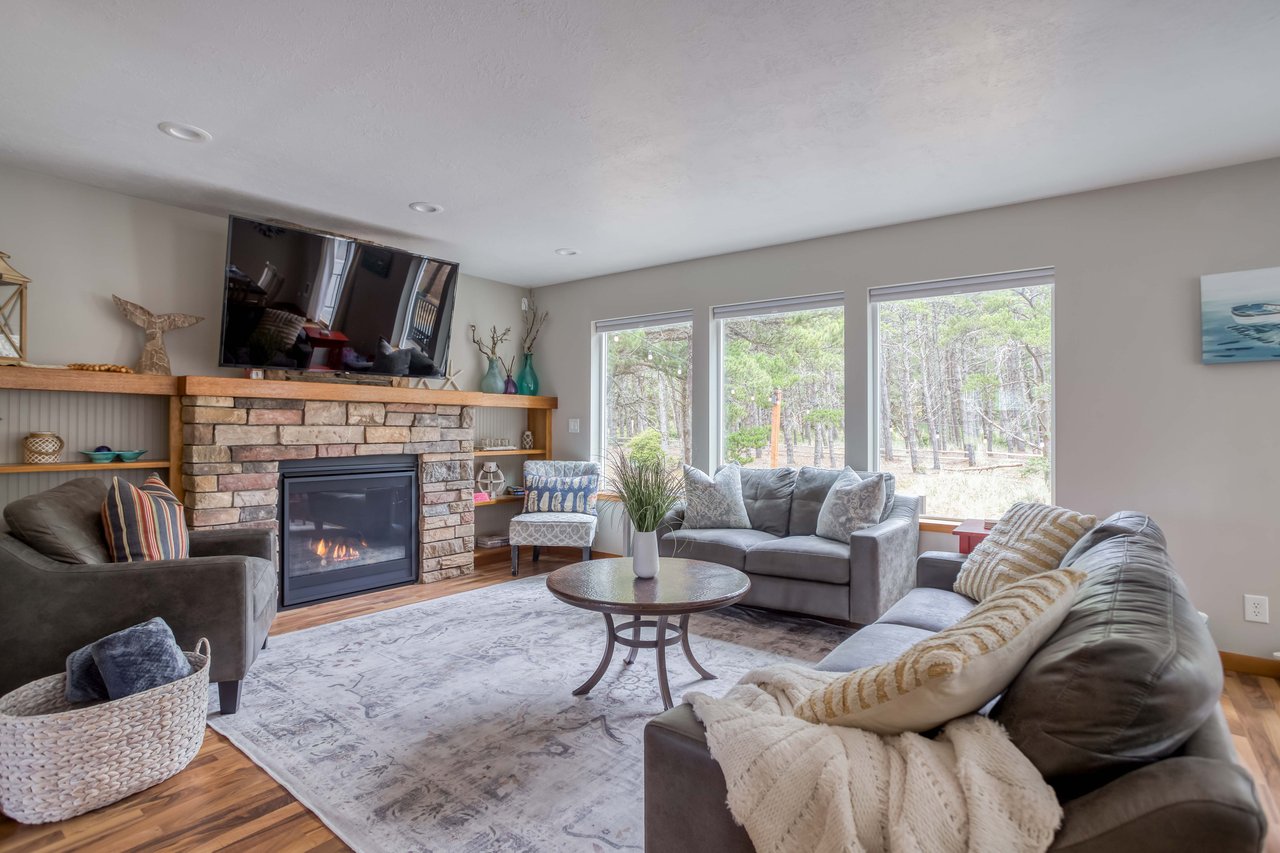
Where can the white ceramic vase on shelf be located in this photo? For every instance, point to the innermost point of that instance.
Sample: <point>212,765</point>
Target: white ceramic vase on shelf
<point>644,553</point>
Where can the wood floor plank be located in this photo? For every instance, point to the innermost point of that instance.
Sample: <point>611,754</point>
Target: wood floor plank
<point>1260,719</point>
<point>224,802</point>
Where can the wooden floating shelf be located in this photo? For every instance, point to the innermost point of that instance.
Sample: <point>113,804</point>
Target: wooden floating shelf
<point>516,452</point>
<point>501,499</point>
<point>226,386</point>
<point>16,378</point>
<point>158,464</point>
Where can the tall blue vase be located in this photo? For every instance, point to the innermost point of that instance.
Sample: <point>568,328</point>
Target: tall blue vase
<point>527,381</point>
<point>492,382</point>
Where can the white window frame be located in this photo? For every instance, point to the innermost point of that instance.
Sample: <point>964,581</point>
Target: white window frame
<point>759,308</point>
<point>950,287</point>
<point>600,331</point>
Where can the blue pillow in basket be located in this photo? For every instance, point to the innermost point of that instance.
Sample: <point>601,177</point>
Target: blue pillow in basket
<point>561,494</point>
<point>126,662</point>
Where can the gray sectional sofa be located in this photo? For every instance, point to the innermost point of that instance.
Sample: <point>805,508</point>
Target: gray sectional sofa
<point>793,569</point>
<point>1119,710</point>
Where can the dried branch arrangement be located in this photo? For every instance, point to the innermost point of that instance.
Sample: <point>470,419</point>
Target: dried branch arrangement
<point>532,323</point>
<point>490,349</point>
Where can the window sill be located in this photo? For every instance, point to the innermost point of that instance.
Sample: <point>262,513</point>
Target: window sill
<point>927,525</point>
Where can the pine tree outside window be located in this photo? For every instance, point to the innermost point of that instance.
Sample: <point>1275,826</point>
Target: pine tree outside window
<point>645,387</point>
<point>964,374</point>
<point>781,382</point>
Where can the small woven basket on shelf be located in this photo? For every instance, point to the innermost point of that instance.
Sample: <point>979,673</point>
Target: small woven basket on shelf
<point>58,760</point>
<point>42,448</point>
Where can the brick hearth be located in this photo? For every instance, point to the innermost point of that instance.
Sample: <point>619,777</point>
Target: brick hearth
<point>233,447</point>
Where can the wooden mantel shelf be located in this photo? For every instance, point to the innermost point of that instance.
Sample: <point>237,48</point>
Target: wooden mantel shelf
<point>221,386</point>
<point>56,379</point>
<point>15,378</point>
<point>173,388</point>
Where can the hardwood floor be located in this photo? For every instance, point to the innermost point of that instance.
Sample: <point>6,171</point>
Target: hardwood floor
<point>1252,706</point>
<point>223,801</point>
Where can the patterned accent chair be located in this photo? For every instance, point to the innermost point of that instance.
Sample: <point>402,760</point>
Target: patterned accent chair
<point>549,528</point>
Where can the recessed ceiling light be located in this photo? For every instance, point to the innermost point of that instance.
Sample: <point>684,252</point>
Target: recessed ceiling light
<point>566,252</point>
<point>426,207</point>
<point>185,132</point>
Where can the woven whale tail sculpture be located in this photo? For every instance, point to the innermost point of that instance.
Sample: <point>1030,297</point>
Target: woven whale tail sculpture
<point>155,359</point>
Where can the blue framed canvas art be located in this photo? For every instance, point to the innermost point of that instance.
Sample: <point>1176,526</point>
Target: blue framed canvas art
<point>1240,316</point>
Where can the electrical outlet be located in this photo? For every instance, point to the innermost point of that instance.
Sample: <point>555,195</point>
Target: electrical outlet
<point>524,303</point>
<point>575,425</point>
<point>1256,609</point>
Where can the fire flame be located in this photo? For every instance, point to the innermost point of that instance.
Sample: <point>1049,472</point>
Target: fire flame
<point>337,552</point>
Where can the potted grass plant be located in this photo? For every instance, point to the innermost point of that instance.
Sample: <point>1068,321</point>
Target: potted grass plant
<point>648,486</point>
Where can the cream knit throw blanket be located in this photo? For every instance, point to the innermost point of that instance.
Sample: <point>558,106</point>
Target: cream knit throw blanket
<point>798,787</point>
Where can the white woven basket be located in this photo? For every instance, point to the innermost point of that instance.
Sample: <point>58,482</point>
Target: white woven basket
<point>58,760</point>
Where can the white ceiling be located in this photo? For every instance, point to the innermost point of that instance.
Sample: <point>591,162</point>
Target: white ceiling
<point>638,132</point>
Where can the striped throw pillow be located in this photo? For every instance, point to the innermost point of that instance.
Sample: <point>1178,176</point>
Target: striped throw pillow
<point>144,523</point>
<point>561,494</point>
<point>954,672</point>
<point>1030,538</point>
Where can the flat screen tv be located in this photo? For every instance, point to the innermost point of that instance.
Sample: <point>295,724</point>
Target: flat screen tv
<point>304,300</point>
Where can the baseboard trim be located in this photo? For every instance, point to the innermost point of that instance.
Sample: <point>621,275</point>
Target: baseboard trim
<point>1249,665</point>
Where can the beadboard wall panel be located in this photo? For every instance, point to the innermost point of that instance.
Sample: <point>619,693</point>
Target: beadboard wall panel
<point>508,424</point>
<point>85,421</point>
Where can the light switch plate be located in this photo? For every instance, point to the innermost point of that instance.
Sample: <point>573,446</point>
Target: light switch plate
<point>575,425</point>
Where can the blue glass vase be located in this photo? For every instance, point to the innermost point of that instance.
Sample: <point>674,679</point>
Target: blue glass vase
<point>527,381</point>
<point>492,382</point>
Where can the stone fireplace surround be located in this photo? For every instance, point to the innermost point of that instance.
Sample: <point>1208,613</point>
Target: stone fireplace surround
<point>233,446</point>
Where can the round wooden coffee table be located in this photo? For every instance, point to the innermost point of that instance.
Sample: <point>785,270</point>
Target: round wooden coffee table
<point>682,587</point>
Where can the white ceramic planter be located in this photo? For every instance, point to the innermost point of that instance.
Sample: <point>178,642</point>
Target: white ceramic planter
<point>644,553</point>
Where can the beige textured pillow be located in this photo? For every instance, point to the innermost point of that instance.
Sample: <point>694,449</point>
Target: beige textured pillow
<point>1030,538</point>
<point>954,672</point>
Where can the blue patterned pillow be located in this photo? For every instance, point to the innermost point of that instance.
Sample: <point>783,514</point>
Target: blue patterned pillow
<point>561,494</point>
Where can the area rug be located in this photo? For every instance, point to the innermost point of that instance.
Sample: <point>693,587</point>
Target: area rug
<point>449,725</point>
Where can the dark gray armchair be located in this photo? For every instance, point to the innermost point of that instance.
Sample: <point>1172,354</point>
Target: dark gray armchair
<point>58,591</point>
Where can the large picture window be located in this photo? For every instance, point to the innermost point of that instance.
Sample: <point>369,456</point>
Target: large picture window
<point>965,380</point>
<point>646,386</point>
<point>781,383</point>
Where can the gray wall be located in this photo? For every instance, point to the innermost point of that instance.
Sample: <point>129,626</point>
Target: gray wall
<point>1141,424</point>
<point>79,244</point>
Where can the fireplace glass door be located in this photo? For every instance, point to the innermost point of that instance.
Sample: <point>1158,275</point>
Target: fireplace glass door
<point>347,532</point>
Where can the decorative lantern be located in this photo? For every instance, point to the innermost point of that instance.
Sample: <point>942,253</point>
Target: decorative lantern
<point>13,313</point>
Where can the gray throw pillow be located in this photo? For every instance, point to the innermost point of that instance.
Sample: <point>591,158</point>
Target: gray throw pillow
<point>890,486</point>
<point>711,503</point>
<point>852,504</point>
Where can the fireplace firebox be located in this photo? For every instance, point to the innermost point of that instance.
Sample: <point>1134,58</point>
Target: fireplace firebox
<point>347,525</point>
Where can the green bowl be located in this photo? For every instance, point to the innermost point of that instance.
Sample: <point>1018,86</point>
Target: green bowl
<point>130,455</point>
<point>100,456</point>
